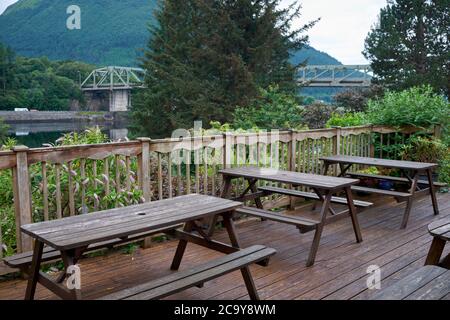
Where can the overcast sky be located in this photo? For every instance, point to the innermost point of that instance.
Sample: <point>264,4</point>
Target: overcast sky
<point>343,27</point>
<point>4,4</point>
<point>340,33</point>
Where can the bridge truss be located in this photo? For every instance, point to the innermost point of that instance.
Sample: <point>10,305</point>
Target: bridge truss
<point>335,76</point>
<point>114,78</point>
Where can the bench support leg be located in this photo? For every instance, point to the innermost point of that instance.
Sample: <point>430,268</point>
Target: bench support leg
<point>34,270</point>
<point>254,189</point>
<point>181,248</point>
<point>410,200</point>
<point>433,192</point>
<point>435,253</point>
<point>353,214</point>
<point>319,229</point>
<point>251,288</point>
<point>249,283</point>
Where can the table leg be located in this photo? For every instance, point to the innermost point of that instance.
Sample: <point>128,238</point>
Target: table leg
<point>353,214</point>
<point>225,193</point>
<point>435,252</point>
<point>319,229</point>
<point>254,189</point>
<point>226,188</point>
<point>410,200</point>
<point>344,169</point>
<point>34,270</point>
<point>326,166</point>
<point>77,254</point>
<point>432,192</point>
<point>245,271</point>
<point>181,248</point>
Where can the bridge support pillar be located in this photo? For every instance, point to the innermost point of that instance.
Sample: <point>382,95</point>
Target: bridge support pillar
<point>119,100</point>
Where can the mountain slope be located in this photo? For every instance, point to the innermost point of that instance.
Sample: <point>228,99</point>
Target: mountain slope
<point>112,32</point>
<point>313,57</point>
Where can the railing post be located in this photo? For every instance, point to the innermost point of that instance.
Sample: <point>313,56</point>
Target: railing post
<point>337,141</point>
<point>227,147</point>
<point>337,146</point>
<point>144,168</point>
<point>291,164</point>
<point>144,178</point>
<point>291,151</point>
<point>22,197</point>
<point>372,144</point>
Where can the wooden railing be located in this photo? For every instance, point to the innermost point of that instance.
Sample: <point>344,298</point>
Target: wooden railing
<point>51,183</point>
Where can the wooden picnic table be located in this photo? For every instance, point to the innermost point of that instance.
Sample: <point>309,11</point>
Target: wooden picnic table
<point>72,235</point>
<point>440,230</point>
<point>324,188</point>
<point>410,170</point>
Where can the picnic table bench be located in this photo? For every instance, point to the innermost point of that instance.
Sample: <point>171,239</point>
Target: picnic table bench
<point>427,283</point>
<point>410,170</point>
<point>440,230</point>
<point>324,188</point>
<point>73,236</point>
<point>22,261</point>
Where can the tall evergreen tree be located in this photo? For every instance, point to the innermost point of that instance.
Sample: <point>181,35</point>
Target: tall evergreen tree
<point>205,57</point>
<point>7,58</point>
<point>409,45</point>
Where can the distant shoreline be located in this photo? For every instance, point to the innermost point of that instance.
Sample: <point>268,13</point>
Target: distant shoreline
<point>10,117</point>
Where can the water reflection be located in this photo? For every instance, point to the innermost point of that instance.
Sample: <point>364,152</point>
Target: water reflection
<point>35,134</point>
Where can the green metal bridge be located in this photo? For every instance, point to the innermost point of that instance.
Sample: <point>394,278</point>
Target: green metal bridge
<point>335,76</point>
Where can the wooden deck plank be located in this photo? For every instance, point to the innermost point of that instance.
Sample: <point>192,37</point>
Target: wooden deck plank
<point>324,275</point>
<point>339,273</point>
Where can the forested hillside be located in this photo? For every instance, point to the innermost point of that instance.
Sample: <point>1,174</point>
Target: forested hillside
<point>38,83</point>
<point>112,32</point>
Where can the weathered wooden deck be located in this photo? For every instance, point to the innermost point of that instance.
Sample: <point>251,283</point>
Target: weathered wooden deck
<point>339,272</point>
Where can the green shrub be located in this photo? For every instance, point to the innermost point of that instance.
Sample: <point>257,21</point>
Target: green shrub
<point>347,120</point>
<point>423,149</point>
<point>417,106</point>
<point>444,170</point>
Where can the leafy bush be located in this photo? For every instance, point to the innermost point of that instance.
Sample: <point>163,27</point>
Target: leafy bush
<point>423,149</point>
<point>417,106</point>
<point>272,110</point>
<point>92,135</point>
<point>8,144</point>
<point>444,170</point>
<point>347,120</point>
<point>316,115</point>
